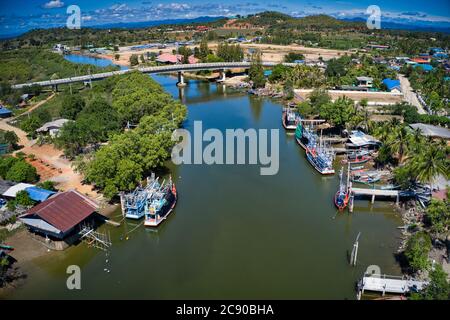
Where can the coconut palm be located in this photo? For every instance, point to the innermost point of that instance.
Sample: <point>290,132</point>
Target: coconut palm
<point>431,163</point>
<point>399,143</point>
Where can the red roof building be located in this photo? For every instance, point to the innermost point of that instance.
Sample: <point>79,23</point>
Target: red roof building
<point>420,60</point>
<point>59,215</point>
<point>173,59</point>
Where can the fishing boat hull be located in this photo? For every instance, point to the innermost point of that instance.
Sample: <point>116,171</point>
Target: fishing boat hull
<point>286,124</point>
<point>359,160</point>
<point>299,137</point>
<point>323,171</point>
<point>340,200</point>
<point>164,212</point>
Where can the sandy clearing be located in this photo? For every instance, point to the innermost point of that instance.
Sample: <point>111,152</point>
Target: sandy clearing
<point>59,168</point>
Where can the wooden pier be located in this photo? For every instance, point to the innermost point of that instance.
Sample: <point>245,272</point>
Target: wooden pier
<point>388,284</point>
<point>371,193</point>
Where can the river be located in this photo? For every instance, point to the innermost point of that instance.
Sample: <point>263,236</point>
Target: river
<point>234,234</point>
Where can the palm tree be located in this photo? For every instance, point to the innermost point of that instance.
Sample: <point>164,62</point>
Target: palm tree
<point>399,143</point>
<point>431,163</point>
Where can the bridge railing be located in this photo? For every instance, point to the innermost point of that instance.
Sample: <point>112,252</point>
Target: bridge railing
<point>157,69</point>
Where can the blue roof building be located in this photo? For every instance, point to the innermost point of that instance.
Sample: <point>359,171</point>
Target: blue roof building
<point>424,66</point>
<point>392,85</point>
<point>5,113</point>
<point>39,194</point>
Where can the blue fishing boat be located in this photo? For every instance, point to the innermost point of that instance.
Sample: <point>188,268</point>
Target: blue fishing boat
<point>136,204</point>
<point>321,161</point>
<point>341,197</point>
<point>163,202</point>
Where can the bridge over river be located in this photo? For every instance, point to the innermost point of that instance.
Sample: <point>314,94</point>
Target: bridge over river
<point>179,68</point>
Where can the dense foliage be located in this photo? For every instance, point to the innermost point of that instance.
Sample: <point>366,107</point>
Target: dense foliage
<point>417,250</point>
<point>131,155</point>
<point>17,169</point>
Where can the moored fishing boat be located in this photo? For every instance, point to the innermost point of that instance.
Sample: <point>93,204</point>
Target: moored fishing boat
<point>358,159</point>
<point>289,119</point>
<point>304,136</point>
<point>162,204</point>
<point>134,203</point>
<point>320,160</point>
<point>366,179</point>
<point>154,202</point>
<point>341,197</point>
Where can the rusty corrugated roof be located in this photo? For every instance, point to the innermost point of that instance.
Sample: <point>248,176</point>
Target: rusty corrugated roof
<point>64,210</point>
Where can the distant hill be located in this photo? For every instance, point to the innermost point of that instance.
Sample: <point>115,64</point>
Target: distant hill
<point>404,26</point>
<point>145,24</point>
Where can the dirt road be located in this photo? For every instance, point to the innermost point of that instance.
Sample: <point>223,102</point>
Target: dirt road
<point>409,95</point>
<point>51,158</point>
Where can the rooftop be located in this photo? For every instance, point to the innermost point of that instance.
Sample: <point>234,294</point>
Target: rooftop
<point>432,131</point>
<point>64,210</point>
<point>52,124</point>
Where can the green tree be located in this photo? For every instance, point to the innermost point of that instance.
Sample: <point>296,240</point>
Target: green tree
<point>204,50</point>
<point>293,56</point>
<point>417,250</point>
<point>437,289</point>
<point>438,214</point>
<point>431,163</point>
<point>341,113</point>
<point>30,125</point>
<point>134,61</point>
<point>23,199</point>
<point>47,185</point>
<point>256,71</point>
<point>72,104</point>
<point>21,171</point>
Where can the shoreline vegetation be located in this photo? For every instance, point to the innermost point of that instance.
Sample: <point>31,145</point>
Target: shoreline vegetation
<point>120,130</point>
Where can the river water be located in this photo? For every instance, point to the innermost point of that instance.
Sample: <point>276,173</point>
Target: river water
<point>234,233</point>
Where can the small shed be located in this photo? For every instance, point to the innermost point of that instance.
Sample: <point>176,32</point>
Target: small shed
<point>52,127</point>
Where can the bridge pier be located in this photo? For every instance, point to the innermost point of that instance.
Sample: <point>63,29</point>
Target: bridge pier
<point>181,82</point>
<point>55,88</point>
<point>222,76</point>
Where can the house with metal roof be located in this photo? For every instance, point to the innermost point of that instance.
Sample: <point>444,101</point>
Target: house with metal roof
<point>392,85</point>
<point>424,66</point>
<point>429,130</point>
<point>358,139</point>
<point>52,127</point>
<point>61,215</point>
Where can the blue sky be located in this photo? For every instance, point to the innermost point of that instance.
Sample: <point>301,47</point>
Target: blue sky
<point>21,15</point>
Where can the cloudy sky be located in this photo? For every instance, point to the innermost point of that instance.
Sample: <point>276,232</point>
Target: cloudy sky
<point>21,15</point>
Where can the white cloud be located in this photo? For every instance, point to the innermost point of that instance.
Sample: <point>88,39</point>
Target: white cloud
<point>53,4</point>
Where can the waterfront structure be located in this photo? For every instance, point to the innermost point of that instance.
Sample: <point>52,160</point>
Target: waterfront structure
<point>358,139</point>
<point>61,215</point>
